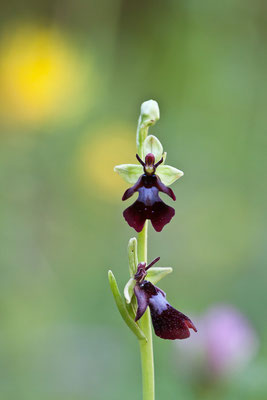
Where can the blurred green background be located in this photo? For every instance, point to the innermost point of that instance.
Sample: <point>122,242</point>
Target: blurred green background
<point>72,78</point>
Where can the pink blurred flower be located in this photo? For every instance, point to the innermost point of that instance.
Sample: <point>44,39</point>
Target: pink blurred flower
<point>225,344</point>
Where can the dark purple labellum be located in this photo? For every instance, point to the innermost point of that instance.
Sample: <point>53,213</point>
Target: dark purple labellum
<point>148,205</point>
<point>168,322</point>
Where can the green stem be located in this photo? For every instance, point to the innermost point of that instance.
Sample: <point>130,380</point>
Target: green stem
<point>146,347</point>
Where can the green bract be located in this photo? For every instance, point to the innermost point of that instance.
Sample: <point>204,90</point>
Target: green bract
<point>122,308</point>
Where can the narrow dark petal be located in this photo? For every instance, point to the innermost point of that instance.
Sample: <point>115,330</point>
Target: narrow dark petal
<point>136,215</point>
<point>162,188</point>
<point>129,192</point>
<point>161,215</point>
<point>152,263</point>
<point>142,301</point>
<point>139,159</point>
<point>158,163</point>
<point>168,322</point>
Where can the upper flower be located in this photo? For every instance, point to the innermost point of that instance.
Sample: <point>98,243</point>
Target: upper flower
<point>168,174</point>
<point>168,322</point>
<point>148,205</point>
<point>149,178</point>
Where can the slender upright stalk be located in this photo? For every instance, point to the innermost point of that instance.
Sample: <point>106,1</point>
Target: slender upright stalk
<point>146,347</point>
<point>148,148</point>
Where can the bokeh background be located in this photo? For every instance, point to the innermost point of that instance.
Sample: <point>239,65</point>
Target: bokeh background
<point>72,78</point>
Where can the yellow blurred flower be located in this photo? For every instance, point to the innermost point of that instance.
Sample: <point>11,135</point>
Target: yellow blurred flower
<point>98,155</point>
<point>39,74</point>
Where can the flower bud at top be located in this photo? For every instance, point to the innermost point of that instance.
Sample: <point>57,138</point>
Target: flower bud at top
<point>149,115</point>
<point>150,111</point>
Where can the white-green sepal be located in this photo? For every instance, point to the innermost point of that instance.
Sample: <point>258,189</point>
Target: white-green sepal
<point>129,172</point>
<point>129,290</point>
<point>168,174</point>
<point>132,256</point>
<point>155,274</point>
<point>153,145</point>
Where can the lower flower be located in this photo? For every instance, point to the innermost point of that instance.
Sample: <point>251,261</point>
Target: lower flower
<point>168,322</point>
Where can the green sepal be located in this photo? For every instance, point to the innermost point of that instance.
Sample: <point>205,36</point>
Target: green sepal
<point>122,308</point>
<point>153,145</point>
<point>129,172</point>
<point>168,174</point>
<point>129,290</point>
<point>132,256</point>
<point>155,274</point>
